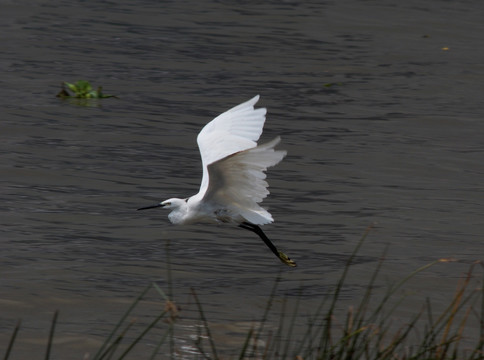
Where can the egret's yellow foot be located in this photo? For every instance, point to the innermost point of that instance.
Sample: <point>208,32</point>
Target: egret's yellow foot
<point>285,259</point>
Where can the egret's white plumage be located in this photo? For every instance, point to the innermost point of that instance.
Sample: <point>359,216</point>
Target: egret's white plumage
<point>233,181</point>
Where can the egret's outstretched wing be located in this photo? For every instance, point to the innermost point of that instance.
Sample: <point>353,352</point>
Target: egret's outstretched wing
<point>237,182</point>
<point>235,130</point>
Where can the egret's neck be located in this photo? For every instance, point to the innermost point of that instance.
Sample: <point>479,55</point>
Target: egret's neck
<point>179,213</point>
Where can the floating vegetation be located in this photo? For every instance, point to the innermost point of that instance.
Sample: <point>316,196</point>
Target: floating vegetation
<point>82,89</point>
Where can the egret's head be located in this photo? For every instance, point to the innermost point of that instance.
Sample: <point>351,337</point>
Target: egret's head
<point>173,203</point>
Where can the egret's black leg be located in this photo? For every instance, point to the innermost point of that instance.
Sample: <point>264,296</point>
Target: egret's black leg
<point>256,229</point>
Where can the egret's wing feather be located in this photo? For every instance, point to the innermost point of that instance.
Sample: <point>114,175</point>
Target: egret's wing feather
<point>235,130</point>
<point>237,182</point>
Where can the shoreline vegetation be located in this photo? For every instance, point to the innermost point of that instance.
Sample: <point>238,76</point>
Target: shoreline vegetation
<point>366,331</point>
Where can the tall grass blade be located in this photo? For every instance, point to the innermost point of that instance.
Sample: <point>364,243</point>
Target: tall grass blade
<point>173,311</point>
<point>12,340</point>
<point>158,346</point>
<point>205,324</point>
<point>326,345</point>
<point>266,314</point>
<point>313,332</point>
<point>111,349</point>
<point>171,330</point>
<point>454,308</point>
<point>479,350</point>
<point>292,326</point>
<point>51,335</point>
<point>357,321</point>
<point>445,320</point>
<point>246,344</point>
<point>143,333</point>
<point>168,270</point>
<point>161,292</point>
<point>274,346</point>
<point>120,322</point>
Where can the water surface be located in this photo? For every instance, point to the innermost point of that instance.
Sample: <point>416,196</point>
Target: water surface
<point>379,105</point>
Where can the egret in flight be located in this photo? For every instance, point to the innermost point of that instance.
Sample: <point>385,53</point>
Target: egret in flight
<point>234,168</point>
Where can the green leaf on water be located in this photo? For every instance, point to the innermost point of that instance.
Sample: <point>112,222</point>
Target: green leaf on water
<point>71,87</point>
<point>82,89</point>
<point>84,86</point>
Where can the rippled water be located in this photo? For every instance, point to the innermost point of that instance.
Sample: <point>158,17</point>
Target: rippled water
<point>379,105</point>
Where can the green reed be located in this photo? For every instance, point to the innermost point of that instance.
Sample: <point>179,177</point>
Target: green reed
<point>365,331</point>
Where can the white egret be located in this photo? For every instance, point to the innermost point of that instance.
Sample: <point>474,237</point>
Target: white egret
<point>234,168</point>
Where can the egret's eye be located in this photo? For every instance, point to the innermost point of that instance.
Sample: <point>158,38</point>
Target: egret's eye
<point>167,203</point>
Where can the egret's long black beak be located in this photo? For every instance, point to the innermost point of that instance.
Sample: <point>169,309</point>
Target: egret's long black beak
<point>150,207</point>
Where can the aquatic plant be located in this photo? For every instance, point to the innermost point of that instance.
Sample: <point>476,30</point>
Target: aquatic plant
<point>82,89</point>
<point>366,331</point>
